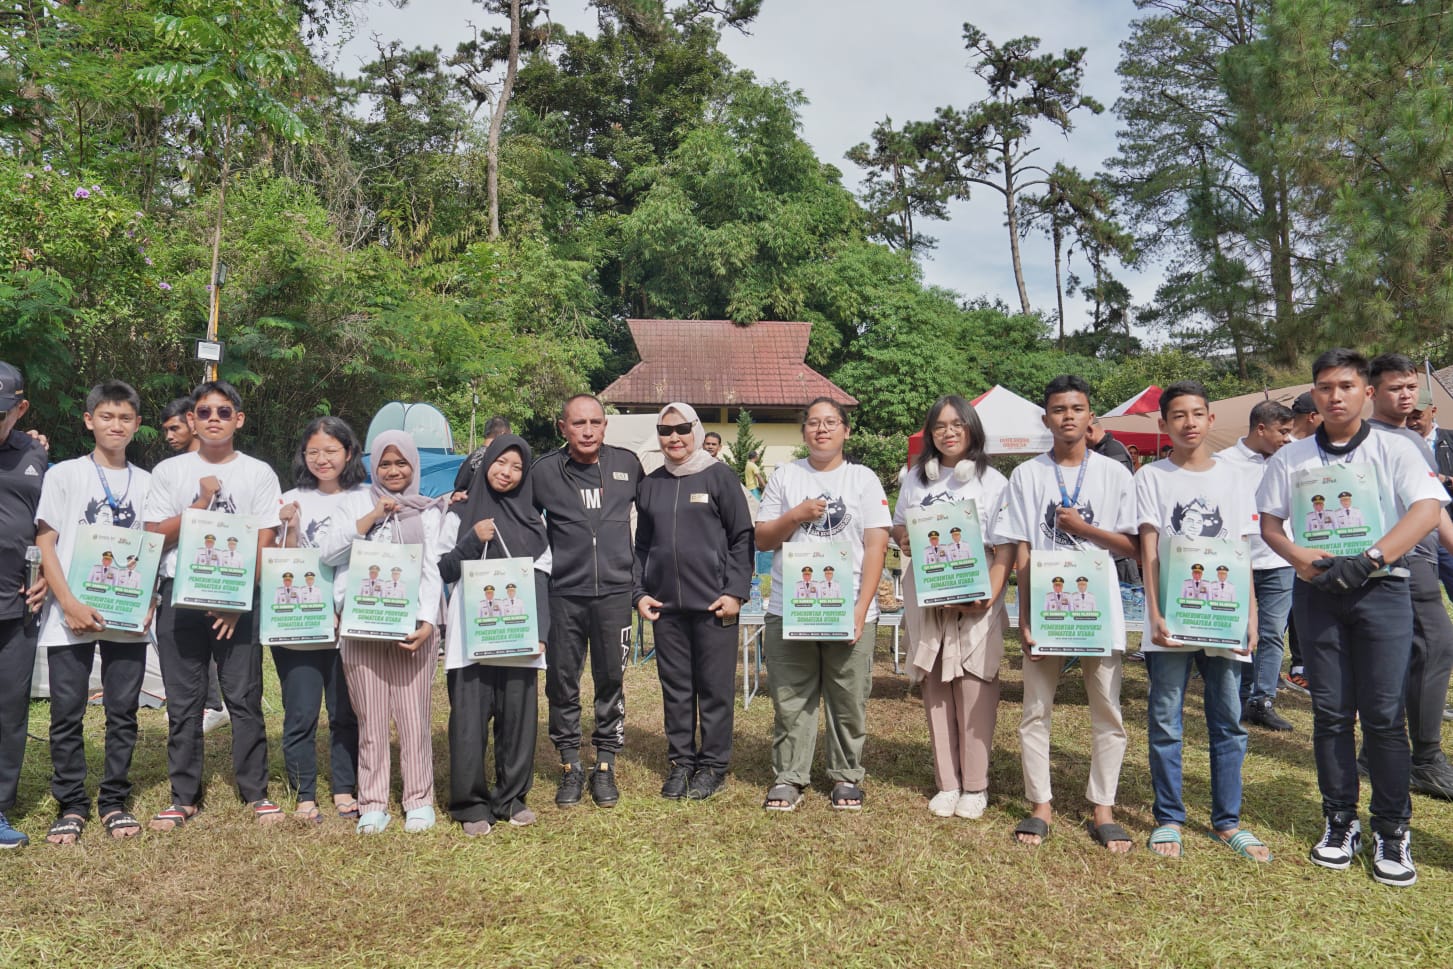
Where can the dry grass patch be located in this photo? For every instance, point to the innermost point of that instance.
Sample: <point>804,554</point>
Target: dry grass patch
<point>657,883</point>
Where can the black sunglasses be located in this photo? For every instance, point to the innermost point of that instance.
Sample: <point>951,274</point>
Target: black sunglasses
<point>666,430</point>
<point>224,412</point>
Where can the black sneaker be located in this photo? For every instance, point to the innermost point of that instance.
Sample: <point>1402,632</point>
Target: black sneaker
<point>675,787</point>
<point>1261,713</point>
<point>1434,780</point>
<point>706,782</point>
<point>572,785</point>
<point>1392,858</point>
<point>1340,842</point>
<point>603,786</point>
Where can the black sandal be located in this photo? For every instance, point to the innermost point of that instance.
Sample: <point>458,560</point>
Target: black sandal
<point>844,794</point>
<point>1032,827</point>
<point>67,825</point>
<point>782,797</point>
<point>118,822</point>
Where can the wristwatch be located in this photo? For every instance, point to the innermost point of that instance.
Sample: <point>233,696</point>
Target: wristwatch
<point>1375,554</point>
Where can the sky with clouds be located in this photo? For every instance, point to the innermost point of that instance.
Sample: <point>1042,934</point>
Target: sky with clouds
<point>858,62</point>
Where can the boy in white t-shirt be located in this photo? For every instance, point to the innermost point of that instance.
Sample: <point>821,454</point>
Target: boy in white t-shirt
<point>219,477</point>
<point>1192,477</point>
<point>1070,498</point>
<point>71,497</point>
<point>1354,613</point>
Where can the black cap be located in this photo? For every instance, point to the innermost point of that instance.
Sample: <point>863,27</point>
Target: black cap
<point>12,386</point>
<point>1303,404</point>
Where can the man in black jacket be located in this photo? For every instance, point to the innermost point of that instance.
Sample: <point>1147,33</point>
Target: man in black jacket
<point>586,490</point>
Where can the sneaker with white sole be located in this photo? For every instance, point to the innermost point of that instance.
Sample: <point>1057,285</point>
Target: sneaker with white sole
<point>1341,840</point>
<point>212,719</point>
<point>10,837</point>
<point>1392,858</point>
<point>942,804</point>
<point>971,805</point>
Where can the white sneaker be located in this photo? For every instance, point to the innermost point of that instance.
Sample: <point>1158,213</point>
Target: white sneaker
<point>1340,841</point>
<point>1392,858</point>
<point>942,804</point>
<point>212,719</point>
<point>971,805</point>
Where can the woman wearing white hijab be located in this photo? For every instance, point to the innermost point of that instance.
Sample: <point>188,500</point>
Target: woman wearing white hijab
<point>693,571</point>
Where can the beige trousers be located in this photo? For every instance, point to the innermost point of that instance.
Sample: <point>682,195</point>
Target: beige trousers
<point>1102,686</point>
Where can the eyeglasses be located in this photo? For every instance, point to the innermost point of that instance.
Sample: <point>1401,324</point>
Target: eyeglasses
<point>327,452</point>
<point>941,429</point>
<point>826,424</point>
<point>224,412</point>
<point>666,430</point>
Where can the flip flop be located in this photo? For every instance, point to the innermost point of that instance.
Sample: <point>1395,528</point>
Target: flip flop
<point>844,795</point>
<point>1036,827</point>
<point>1107,834</point>
<point>66,826</point>
<point>782,797</point>
<point>1241,842</point>
<point>121,825</point>
<point>172,818</point>
<point>348,812</point>
<point>1165,835</point>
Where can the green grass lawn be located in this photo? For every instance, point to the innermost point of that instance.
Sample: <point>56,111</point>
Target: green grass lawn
<point>722,883</point>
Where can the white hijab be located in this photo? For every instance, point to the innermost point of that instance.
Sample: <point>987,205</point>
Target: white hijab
<point>699,459</point>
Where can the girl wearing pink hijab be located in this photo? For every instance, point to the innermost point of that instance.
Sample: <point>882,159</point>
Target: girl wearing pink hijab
<point>392,681</point>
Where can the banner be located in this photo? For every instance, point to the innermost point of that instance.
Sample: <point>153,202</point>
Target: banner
<point>949,562</point>
<point>498,609</point>
<point>216,561</point>
<point>1205,592</point>
<point>1336,508</point>
<point>382,598</point>
<point>296,602</point>
<point>817,590</point>
<point>113,570</point>
<point>1069,599</point>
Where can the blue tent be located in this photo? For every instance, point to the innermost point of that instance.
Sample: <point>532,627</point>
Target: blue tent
<point>431,435</point>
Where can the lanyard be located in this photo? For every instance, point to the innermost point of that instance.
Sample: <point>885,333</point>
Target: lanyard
<point>1066,499</point>
<point>111,499</point>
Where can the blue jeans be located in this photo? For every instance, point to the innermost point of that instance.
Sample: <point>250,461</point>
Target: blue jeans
<point>1169,672</point>
<point>1356,648</point>
<point>1259,677</point>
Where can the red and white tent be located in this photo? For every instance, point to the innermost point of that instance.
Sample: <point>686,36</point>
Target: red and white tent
<point>1137,421</point>
<point>1145,402</point>
<point>1012,424</point>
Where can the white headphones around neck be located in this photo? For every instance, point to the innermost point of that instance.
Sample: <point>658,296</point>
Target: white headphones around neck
<point>963,471</point>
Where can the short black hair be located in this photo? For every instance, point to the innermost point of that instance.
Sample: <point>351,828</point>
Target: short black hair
<point>1304,405</point>
<point>712,434</point>
<point>1269,412</point>
<point>496,425</point>
<point>1337,358</point>
<point>1065,383</point>
<point>1182,388</point>
<point>842,412</point>
<point>218,387</point>
<point>1393,363</point>
<point>180,407</point>
<point>112,392</point>
<point>337,428</point>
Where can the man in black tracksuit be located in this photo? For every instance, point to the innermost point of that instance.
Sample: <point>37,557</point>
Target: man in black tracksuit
<point>586,490</point>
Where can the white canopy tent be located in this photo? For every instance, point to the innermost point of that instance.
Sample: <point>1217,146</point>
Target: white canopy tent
<point>1013,425</point>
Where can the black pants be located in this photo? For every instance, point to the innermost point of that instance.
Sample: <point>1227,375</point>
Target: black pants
<point>309,677</point>
<point>123,667</point>
<point>17,663</point>
<point>1356,648</point>
<point>185,642</point>
<point>1431,664</point>
<point>506,695</point>
<point>696,658</point>
<point>601,624</point>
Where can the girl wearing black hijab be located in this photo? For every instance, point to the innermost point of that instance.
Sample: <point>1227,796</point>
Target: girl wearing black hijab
<point>693,571</point>
<point>498,520</point>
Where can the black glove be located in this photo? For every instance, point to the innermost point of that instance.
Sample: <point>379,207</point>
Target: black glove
<point>1345,573</point>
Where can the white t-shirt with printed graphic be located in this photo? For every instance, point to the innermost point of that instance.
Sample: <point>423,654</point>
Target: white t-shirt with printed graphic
<point>316,511</point>
<point>71,496</point>
<point>855,502</point>
<point>249,487</point>
<point>986,492</point>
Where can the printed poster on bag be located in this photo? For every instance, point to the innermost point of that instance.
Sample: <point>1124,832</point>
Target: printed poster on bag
<point>1069,599</point>
<point>1205,593</point>
<point>296,602</point>
<point>498,608</point>
<point>113,570</point>
<point>216,561</point>
<point>817,590</point>
<point>382,598</point>
<point>949,563</point>
<point>1337,509</point>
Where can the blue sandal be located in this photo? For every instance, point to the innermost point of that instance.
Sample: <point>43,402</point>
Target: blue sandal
<point>372,823</point>
<point>1165,835</point>
<point>1241,842</point>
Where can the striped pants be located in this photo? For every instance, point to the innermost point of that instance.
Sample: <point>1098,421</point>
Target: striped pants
<point>387,683</point>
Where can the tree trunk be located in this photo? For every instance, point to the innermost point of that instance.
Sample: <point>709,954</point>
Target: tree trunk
<point>1059,290</point>
<point>496,121</point>
<point>1013,228</point>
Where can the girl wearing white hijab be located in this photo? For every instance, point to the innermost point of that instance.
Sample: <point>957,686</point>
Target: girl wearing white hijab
<point>392,681</point>
<point>693,571</point>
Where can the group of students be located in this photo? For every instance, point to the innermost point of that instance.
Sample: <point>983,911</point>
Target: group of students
<point>687,569</point>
